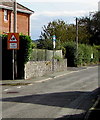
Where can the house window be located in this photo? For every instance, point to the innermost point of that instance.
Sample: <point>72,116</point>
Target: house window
<point>5,15</point>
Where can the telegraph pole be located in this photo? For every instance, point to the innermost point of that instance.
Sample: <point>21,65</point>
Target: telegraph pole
<point>77,33</point>
<point>14,30</point>
<point>15,16</point>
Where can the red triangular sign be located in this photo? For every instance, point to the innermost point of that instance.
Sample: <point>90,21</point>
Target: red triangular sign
<point>13,38</point>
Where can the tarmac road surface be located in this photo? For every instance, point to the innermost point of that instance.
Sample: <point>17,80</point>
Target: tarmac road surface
<point>68,96</point>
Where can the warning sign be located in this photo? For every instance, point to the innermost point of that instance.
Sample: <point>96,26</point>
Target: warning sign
<point>13,38</point>
<point>13,41</point>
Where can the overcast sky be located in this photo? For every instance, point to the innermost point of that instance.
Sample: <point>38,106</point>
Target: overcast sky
<point>49,10</point>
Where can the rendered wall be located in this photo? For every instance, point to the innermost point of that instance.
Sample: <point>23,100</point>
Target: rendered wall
<point>99,6</point>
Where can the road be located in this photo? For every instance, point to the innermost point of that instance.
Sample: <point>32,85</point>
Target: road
<point>68,96</point>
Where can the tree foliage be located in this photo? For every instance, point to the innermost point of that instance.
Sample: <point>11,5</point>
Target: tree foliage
<point>57,28</point>
<point>83,34</point>
<point>92,25</point>
<point>64,33</point>
<point>88,32</point>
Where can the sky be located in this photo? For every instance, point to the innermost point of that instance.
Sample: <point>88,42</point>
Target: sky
<point>46,11</point>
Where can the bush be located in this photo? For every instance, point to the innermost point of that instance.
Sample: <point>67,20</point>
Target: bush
<point>79,58</point>
<point>95,55</point>
<point>23,55</point>
<point>97,52</point>
<point>87,51</point>
<point>58,58</point>
<point>82,56</point>
<point>25,48</point>
<point>71,52</point>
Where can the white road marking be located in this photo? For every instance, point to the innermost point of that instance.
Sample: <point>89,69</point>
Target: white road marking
<point>43,80</point>
<point>6,89</point>
<point>19,87</point>
<point>64,74</point>
<point>30,84</point>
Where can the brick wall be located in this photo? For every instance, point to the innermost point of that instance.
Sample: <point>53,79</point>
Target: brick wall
<point>4,25</point>
<point>23,22</point>
<point>0,21</point>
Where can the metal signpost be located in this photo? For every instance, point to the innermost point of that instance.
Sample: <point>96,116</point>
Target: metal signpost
<point>13,44</point>
<point>54,46</point>
<point>54,41</point>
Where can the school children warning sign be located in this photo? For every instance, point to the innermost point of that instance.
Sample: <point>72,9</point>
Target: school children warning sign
<point>13,41</point>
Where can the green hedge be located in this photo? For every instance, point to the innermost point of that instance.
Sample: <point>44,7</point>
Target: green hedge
<point>86,52</point>
<point>25,48</point>
<point>23,56</point>
<point>70,53</point>
<point>82,56</point>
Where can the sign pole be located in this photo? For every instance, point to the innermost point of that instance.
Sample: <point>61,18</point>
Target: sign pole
<point>54,45</point>
<point>13,44</point>
<point>13,64</point>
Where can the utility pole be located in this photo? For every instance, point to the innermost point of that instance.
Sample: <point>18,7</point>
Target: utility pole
<point>15,16</point>
<point>77,33</point>
<point>14,30</point>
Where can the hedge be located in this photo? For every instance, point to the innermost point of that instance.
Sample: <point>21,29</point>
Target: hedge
<point>23,56</point>
<point>82,56</point>
<point>70,53</point>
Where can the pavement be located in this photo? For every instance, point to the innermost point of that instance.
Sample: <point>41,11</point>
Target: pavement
<point>45,77</point>
<point>94,112</point>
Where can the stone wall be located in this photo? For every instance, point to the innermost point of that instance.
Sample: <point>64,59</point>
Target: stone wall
<point>40,68</point>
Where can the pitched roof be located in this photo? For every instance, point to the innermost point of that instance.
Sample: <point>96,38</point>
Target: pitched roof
<point>8,4</point>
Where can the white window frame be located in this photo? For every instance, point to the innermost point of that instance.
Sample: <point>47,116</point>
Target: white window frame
<point>5,15</point>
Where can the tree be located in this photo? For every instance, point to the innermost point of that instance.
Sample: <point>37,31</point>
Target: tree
<point>45,44</point>
<point>92,26</point>
<point>57,28</point>
<point>95,28</point>
<point>83,34</point>
<point>64,33</point>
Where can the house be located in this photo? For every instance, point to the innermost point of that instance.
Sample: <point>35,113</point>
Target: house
<point>99,6</point>
<point>7,16</point>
